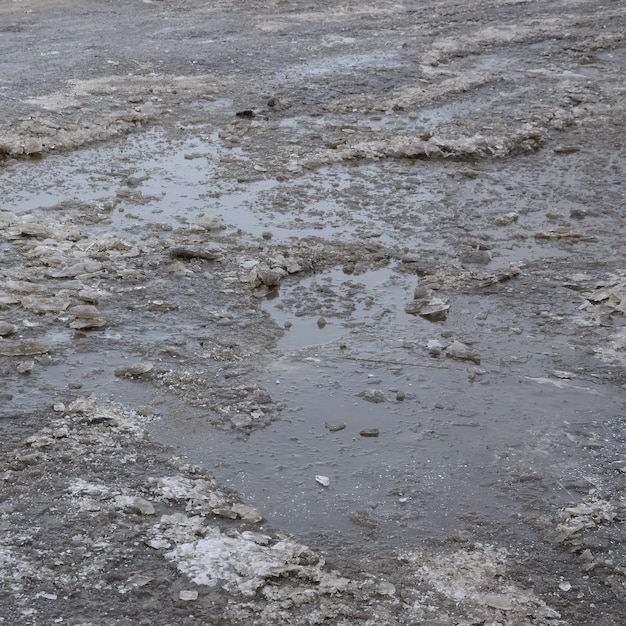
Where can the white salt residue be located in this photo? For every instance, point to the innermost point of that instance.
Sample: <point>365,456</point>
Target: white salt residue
<point>174,487</point>
<point>239,562</point>
<point>593,511</point>
<point>475,578</point>
<point>466,574</point>
<point>235,560</point>
<point>80,486</point>
<point>200,493</point>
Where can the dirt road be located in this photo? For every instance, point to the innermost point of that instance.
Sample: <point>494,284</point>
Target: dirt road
<point>312,314</point>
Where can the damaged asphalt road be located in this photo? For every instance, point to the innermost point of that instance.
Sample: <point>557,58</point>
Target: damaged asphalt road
<point>312,314</point>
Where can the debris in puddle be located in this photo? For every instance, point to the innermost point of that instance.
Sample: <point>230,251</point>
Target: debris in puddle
<point>247,513</point>
<point>22,347</point>
<point>134,370</point>
<point>434,347</point>
<point>188,253</point>
<point>373,395</point>
<point>369,432</point>
<point>334,427</point>
<point>211,222</point>
<point>506,218</point>
<point>561,149</point>
<point>473,372</point>
<point>263,276</point>
<point>134,503</point>
<point>502,277</point>
<point>25,367</point>
<point>564,234</point>
<point>137,580</point>
<point>322,480</point>
<point>245,113</point>
<point>475,255</point>
<point>433,310</point>
<point>86,316</point>
<point>563,374</point>
<point>76,269</point>
<point>365,520</point>
<point>462,352</point>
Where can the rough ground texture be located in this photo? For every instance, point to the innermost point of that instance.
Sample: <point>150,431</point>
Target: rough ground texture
<point>312,314</point>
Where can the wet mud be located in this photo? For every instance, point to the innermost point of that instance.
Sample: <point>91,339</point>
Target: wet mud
<point>312,314</point>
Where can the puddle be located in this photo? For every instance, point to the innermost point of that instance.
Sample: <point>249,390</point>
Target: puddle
<point>449,430</point>
<point>385,295</point>
<point>173,186</point>
<point>443,452</point>
<point>450,446</point>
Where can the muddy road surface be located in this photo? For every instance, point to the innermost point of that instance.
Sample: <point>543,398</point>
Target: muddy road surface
<point>312,313</point>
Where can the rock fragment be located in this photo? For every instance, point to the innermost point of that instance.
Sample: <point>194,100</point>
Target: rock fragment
<point>86,316</point>
<point>40,304</point>
<point>434,347</point>
<point>462,352</point>
<point>22,347</point>
<point>135,370</point>
<point>506,218</point>
<point>373,395</point>
<point>478,255</point>
<point>433,310</point>
<point>35,230</point>
<point>369,432</point>
<point>209,222</point>
<point>263,276</point>
<point>563,234</point>
<point>322,480</point>
<point>25,367</point>
<point>247,513</point>
<point>193,253</point>
<point>138,580</point>
<point>7,329</point>
<point>77,269</point>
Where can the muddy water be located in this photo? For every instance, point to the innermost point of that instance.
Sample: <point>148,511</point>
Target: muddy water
<point>454,435</point>
<point>495,438</point>
<point>449,451</point>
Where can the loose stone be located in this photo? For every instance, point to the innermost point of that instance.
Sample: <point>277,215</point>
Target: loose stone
<point>369,432</point>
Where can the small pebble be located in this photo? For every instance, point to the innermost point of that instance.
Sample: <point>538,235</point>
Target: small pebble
<point>335,427</point>
<point>369,432</point>
<point>25,367</point>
